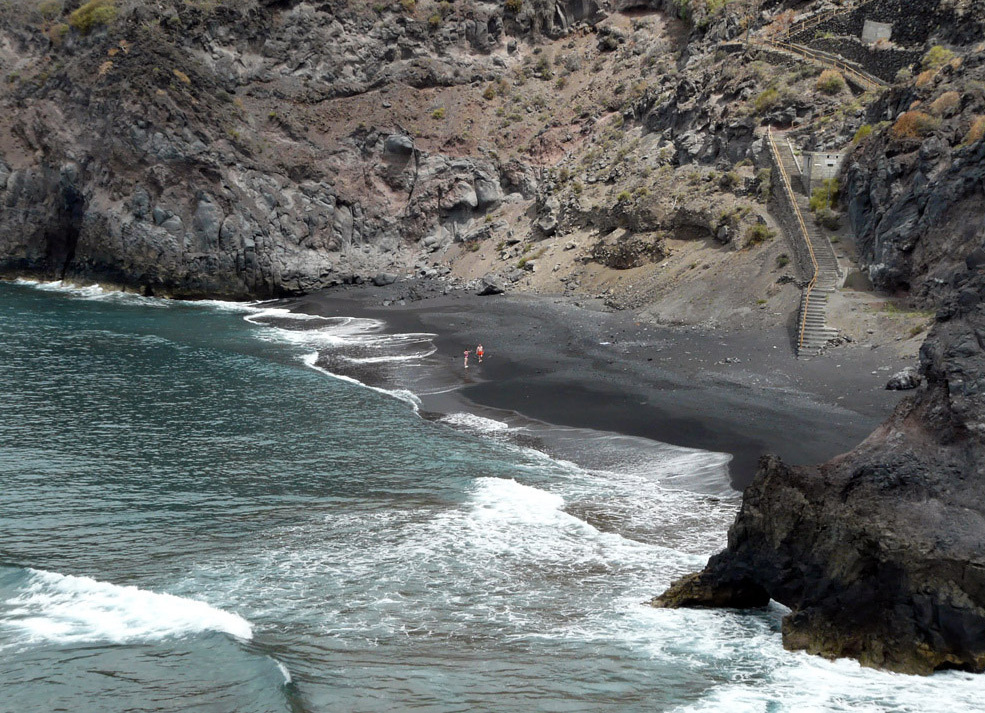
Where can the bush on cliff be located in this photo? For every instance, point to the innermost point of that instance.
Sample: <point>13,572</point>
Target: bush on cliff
<point>976,132</point>
<point>864,131</point>
<point>93,14</point>
<point>936,57</point>
<point>766,100</point>
<point>914,125</point>
<point>946,104</point>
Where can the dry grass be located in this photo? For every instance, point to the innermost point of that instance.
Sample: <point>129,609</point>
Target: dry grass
<point>977,130</point>
<point>946,104</point>
<point>925,78</point>
<point>914,125</point>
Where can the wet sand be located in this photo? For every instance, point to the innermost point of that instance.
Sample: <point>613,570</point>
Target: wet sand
<point>570,363</point>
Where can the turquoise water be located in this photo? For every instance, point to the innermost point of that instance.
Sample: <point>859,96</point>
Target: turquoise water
<point>192,518</point>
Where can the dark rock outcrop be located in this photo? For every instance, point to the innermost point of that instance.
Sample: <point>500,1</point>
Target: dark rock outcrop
<point>880,553</point>
<point>904,380</point>
<point>914,195</point>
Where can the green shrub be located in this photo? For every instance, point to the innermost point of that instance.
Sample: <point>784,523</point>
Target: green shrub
<point>825,195</point>
<point>758,234</point>
<point>50,9</point>
<point>782,260</point>
<point>624,197</point>
<point>936,57</point>
<point>93,14</point>
<point>863,132</point>
<point>438,113</point>
<point>830,82</point>
<point>766,100</point>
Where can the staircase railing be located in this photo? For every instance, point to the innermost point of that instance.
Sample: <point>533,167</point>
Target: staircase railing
<point>788,189</point>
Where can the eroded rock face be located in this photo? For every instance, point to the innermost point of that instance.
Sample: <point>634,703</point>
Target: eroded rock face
<point>143,170</point>
<point>880,554</point>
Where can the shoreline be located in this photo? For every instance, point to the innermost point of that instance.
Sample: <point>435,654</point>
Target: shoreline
<point>565,363</point>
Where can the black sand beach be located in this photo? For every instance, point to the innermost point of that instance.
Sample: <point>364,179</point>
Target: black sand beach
<point>568,362</point>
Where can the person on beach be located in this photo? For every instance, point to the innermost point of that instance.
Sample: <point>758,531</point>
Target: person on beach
<point>467,352</point>
<point>479,352</point>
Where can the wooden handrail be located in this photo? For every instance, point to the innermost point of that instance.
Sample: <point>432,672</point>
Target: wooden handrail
<point>803,229</point>
<point>813,56</point>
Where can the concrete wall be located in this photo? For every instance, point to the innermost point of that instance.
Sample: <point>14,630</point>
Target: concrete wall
<point>873,31</point>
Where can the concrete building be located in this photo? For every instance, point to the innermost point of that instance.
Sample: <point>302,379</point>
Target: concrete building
<point>819,166</point>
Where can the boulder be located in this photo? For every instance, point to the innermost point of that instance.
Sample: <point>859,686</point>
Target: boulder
<point>490,285</point>
<point>904,380</point>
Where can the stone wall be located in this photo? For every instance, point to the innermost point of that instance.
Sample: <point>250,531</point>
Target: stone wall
<point>882,63</point>
<point>783,211</point>
<point>915,22</point>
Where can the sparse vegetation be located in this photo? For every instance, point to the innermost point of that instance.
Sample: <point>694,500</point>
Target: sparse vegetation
<point>825,195</point>
<point>764,183</point>
<point>438,113</point>
<point>766,100</point>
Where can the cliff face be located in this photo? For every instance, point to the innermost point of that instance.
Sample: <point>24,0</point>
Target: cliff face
<point>189,148</point>
<point>914,189</point>
<point>880,554</point>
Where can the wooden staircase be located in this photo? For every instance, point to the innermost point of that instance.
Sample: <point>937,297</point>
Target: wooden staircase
<point>813,332</point>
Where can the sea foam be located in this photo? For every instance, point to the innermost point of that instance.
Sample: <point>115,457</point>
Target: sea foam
<point>67,609</point>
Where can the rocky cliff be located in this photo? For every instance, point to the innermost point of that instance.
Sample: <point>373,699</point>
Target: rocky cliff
<point>880,554</point>
<point>262,148</point>
<point>179,147</point>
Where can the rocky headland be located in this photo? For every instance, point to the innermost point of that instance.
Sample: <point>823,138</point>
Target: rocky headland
<point>611,149</point>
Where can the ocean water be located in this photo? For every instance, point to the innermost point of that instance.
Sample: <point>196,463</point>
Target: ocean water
<point>196,515</point>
